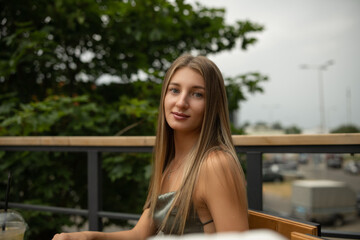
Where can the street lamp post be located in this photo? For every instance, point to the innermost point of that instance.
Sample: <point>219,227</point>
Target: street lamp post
<point>320,69</point>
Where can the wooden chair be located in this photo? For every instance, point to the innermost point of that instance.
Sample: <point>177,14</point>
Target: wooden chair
<point>282,225</point>
<point>302,236</point>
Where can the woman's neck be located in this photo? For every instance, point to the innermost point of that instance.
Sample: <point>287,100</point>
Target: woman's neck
<point>183,144</point>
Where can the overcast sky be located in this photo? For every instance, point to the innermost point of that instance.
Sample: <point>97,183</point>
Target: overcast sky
<point>298,32</point>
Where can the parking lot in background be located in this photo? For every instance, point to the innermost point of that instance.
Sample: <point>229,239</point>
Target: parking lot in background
<point>281,170</point>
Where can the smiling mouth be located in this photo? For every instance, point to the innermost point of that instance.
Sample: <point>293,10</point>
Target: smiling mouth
<point>178,115</point>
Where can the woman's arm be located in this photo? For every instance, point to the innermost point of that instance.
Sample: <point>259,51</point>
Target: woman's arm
<point>143,229</point>
<point>223,191</point>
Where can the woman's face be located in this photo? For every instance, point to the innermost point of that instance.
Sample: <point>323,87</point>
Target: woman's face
<point>184,103</point>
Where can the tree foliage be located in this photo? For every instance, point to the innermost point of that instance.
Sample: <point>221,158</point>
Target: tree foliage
<point>348,128</point>
<point>59,179</point>
<point>53,54</point>
<point>47,44</point>
<point>292,130</point>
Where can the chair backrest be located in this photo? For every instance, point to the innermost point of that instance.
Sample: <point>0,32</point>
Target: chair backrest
<point>282,225</point>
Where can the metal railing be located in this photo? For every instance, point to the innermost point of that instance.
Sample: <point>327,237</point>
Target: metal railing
<point>252,146</point>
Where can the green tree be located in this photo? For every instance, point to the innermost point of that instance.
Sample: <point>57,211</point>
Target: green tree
<point>59,179</point>
<point>292,130</point>
<point>63,46</point>
<point>277,126</point>
<point>348,128</point>
<point>238,85</point>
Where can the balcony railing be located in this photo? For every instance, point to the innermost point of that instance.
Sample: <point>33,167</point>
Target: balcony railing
<point>252,146</point>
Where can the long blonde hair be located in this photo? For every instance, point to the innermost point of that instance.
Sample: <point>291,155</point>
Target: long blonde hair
<point>215,134</point>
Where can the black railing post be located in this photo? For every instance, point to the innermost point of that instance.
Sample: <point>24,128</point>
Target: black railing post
<point>94,190</point>
<point>254,180</point>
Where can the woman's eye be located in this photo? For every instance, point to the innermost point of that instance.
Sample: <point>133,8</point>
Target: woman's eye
<point>173,90</point>
<point>198,94</point>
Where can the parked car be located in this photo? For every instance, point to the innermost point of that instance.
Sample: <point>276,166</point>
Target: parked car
<point>281,165</point>
<point>352,167</point>
<point>303,158</point>
<point>269,175</point>
<point>334,160</point>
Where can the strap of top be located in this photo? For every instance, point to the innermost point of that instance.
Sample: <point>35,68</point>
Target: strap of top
<point>207,222</point>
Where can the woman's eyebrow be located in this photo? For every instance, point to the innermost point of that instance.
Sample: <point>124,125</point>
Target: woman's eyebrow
<point>196,86</point>
<point>201,87</point>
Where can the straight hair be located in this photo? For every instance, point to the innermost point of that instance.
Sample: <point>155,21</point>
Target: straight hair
<point>215,135</point>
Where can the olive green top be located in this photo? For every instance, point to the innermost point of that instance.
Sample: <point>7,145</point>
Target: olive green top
<point>164,201</point>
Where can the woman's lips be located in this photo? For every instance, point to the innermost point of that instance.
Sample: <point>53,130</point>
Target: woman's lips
<point>180,116</point>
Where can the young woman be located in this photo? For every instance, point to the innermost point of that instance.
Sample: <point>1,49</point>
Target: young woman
<point>198,185</point>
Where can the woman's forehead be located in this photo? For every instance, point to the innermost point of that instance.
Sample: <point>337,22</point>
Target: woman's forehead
<point>187,76</point>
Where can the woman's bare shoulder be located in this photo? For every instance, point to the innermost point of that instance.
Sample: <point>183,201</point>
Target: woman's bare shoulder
<point>217,160</point>
<point>221,189</point>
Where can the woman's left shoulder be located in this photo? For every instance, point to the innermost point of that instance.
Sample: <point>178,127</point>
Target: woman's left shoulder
<point>221,189</point>
<point>218,159</point>
<point>219,166</point>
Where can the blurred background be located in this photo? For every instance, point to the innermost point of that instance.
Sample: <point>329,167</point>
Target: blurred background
<point>300,39</point>
<point>94,68</point>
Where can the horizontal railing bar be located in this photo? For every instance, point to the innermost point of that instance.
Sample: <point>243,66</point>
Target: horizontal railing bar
<point>301,149</point>
<point>242,149</point>
<point>121,216</point>
<point>120,141</point>
<point>75,211</point>
<point>239,140</point>
<point>297,139</point>
<point>340,234</point>
<point>77,149</point>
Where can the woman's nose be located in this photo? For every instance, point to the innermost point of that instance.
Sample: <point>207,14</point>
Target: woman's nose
<point>182,101</point>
